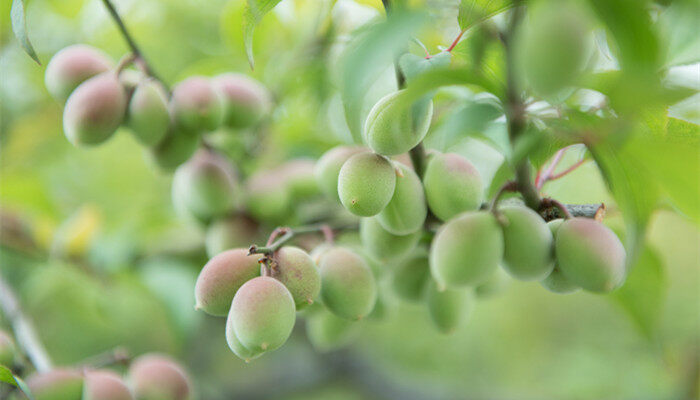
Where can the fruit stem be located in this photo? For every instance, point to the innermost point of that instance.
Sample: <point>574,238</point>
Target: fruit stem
<point>276,241</point>
<point>510,186</point>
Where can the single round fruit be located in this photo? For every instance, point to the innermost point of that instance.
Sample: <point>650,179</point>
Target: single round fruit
<point>221,278</point>
<point>406,210</point>
<point>176,147</point>
<point>466,250</point>
<point>95,110</point>
<point>366,184</point>
<point>268,198</point>
<point>392,128</point>
<point>448,308</point>
<point>148,115</point>
<point>493,285</point>
<point>8,350</point>
<point>72,66</point>
<point>204,186</point>
<point>157,377</point>
<point>262,314</point>
<point>299,178</point>
<point>556,282</point>
<point>328,167</point>
<point>237,347</point>
<point>528,244</point>
<point>328,332</point>
<point>383,245</point>
<point>245,100</point>
<point>57,384</point>
<point>230,232</point>
<point>411,277</point>
<point>452,185</point>
<point>105,385</point>
<point>298,272</point>
<point>348,287</point>
<point>590,255</point>
<point>197,105</point>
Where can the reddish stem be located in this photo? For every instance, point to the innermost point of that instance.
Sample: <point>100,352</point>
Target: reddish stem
<point>454,42</point>
<point>544,176</point>
<point>568,170</point>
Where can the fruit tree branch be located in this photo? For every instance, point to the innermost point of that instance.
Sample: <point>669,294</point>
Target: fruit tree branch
<point>283,235</point>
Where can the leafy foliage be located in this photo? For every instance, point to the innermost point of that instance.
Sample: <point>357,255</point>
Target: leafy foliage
<point>19,26</point>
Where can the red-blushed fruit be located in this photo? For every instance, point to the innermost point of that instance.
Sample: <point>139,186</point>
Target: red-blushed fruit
<point>221,278</point>
<point>448,308</point>
<point>237,347</point>
<point>8,350</point>
<point>57,384</point>
<point>348,287</point>
<point>590,255</point>
<point>327,332</point>
<point>197,105</point>
<point>72,66</point>
<point>452,185</point>
<point>466,250</point>
<point>298,272</point>
<point>328,167</point>
<point>383,245</point>
<point>528,244</point>
<point>157,377</point>
<point>177,146</point>
<point>245,100</point>
<point>406,211</point>
<point>366,183</point>
<point>148,115</point>
<point>262,314</point>
<point>94,110</point>
<point>411,276</point>
<point>105,385</point>
<point>268,198</point>
<point>556,282</point>
<point>230,232</point>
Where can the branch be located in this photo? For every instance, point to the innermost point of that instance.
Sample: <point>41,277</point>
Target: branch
<point>24,330</point>
<point>276,241</point>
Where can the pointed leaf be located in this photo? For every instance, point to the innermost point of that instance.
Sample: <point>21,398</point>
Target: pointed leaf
<point>9,378</point>
<point>255,10</point>
<point>19,27</point>
<point>471,12</point>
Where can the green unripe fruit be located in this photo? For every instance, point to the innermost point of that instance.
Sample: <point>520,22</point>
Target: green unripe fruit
<point>245,100</point>
<point>237,347</point>
<point>148,115</point>
<point>466,250</point>
<point>556,282</point>
<point>262,314</point>
<point>95,110</point>
<point>380,310</point>
<point>383,245</point>
<point>176,147</point>
<point>328,332</point>
<point>197,105</point>
<point>268,198</point>
<point>392,128</point>
<point>221,278</point>
<point>328,167</point>
<point>57,384</point>
<point>590,255</point>
<point>228,233</point>
<point>528,244</point>
<point>298,272</point>
<point>158,377</point>
<point>493,285</point>
<point>406,210</point>
<point>366,184</point>
<point>410,278</point>
<point>448,308</point>
<point>105,385</point>
<point>452,185</point>
<point>8,350</point>
<point>348,287</point>
<point>204,186</point>
<point>72,66</point>
<point>299,178</point>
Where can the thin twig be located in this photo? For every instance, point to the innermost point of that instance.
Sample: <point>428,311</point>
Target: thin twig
<point>454,42</point>
<point>568,170</point>
<point>544,177</point>
<point>288,234</point>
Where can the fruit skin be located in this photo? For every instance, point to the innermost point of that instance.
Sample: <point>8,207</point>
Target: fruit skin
<point>391,129</point>
<point>411,277</point>
<point>237,347</point>
<point>328,332</point>
<point>230,232</point>
<point>298,175</point>
<point>72,66</point>
<point>105,385</point>
<point>556,282</point>
<point>406,210</point>
<point>268,198</point>
<point>448,308</point>
<point>493,285</point>
<point>466,250</point>
<point>366,183</point>
<point>221,278</point>
<point>158,377</point>
<point>148,115</point>
<point>327,168</point>
<point>348,287</point>
<point>94,110</point>
<point>8,350</point>
<point>197,105</point>
<point>299,274</point>
<point>177,146</point>
<point>590,255</point>
<point>381,244</point>
<point>452,185</point>
<point>204,186</point>
<point>245,100</point>
<point>57,384</point>
<point>262,314</point>
<point>528,244</point>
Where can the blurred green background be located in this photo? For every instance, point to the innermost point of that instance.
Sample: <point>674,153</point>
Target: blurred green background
<point>91,241</point>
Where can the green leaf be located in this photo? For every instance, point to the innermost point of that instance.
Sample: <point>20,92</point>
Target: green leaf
<point>471,119</point>
<point>642,296</point>
<point>502,175</point>
<point>254,11</point>
<point>19,27</point>
<point>7,377</point>
<point>412,65</point>
<point>471,12</point>
<point>679,27</point>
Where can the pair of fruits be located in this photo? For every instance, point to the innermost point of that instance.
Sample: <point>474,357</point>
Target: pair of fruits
<point>151,377</point>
